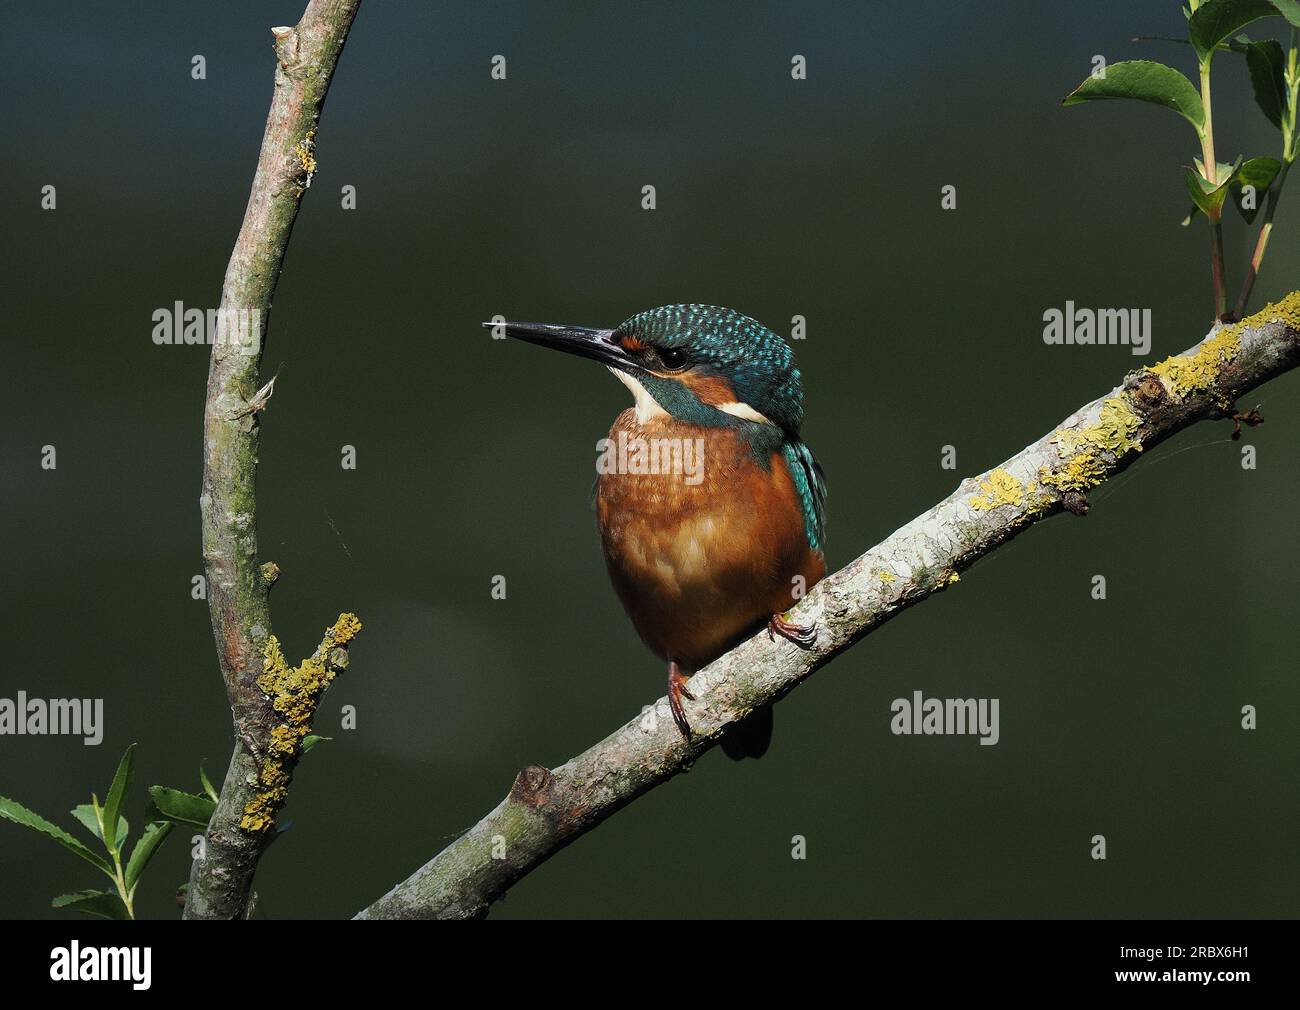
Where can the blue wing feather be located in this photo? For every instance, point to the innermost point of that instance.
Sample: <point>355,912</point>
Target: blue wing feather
<point>810,484</point>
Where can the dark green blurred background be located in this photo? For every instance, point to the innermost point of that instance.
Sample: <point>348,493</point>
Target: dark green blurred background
<point>522,197</point>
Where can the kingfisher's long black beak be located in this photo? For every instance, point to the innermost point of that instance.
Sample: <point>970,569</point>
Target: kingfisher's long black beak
<point>599,345</point>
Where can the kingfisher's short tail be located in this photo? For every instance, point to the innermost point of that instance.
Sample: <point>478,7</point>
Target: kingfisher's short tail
<point>750,737</point>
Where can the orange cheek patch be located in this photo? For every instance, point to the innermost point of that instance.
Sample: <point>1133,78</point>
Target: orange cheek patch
<point>631,343</point>
<point>711,389</point>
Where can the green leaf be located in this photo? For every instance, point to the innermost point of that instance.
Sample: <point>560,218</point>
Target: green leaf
<point>1267,65</point>
<point>311,740</point>
<point>1222,170</point>
<point>154,833</point>
<point>1215,20</point>
<point>182,807</point>
<point>1257,172</point>
<point>1207,197</point>
<point>1147,82</point>
<point>102,904</point>
<point>1289,9</point>
<point>14,811</point>
<point>207,785</point>
<point>113,801</point>
<point>85,813</point>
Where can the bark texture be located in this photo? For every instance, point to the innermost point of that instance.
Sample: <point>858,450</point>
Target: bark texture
<point>238,586</point>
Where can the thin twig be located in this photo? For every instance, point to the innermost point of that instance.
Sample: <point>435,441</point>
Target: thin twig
<point>1261,243</point>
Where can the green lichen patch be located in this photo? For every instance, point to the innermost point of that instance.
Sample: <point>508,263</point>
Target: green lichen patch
<point>969,535</point>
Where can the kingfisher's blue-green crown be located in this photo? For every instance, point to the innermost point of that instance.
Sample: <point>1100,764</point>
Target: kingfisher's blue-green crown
<point>757,363</point>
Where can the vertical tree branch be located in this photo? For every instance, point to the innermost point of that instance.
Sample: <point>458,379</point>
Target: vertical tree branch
<point>238,587</point>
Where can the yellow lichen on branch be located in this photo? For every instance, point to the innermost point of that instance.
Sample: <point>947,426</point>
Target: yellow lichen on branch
<point>1088,454</point>
<point>305,150</point>
<point>998,488</point>
<point>1198,370</point>
<point>1287,311</point>
<point>345,629</point>
<point>1192,373</point>
<point>295,693</point>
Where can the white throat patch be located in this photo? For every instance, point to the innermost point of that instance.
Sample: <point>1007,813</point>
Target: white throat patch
<point>646,405</point>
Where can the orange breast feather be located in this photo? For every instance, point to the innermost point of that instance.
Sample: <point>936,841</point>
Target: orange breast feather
<point>702,559</point>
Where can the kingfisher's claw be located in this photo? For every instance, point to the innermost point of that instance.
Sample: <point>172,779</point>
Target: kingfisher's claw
<point>801,635</point>
<point>677,690</point>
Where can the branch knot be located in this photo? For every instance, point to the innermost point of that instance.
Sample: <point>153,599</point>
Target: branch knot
<point>532,786</point>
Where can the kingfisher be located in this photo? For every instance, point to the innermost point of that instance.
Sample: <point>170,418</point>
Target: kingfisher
<point>712,517</point>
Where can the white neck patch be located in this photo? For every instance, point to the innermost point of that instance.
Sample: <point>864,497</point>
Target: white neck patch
<point>743,410</point>
<point>646,405</point>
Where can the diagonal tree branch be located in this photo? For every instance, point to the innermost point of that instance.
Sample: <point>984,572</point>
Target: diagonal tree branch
<point>238,587</point>
<point>546,810</point>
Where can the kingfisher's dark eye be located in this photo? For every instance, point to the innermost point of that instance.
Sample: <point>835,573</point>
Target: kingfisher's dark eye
<point>672,357</point>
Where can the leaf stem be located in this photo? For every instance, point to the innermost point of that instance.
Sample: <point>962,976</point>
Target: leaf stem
<point>1289,145</point>
<point>120,880</point>
<point>1216,267</point>
<point>114,853</point>
<point>1210,167</point>
<point>1261,244</point>
<point>1207,131</point>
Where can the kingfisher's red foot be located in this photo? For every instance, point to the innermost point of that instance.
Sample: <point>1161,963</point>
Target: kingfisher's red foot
<point>676,692</point>
<point>802,636</point>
